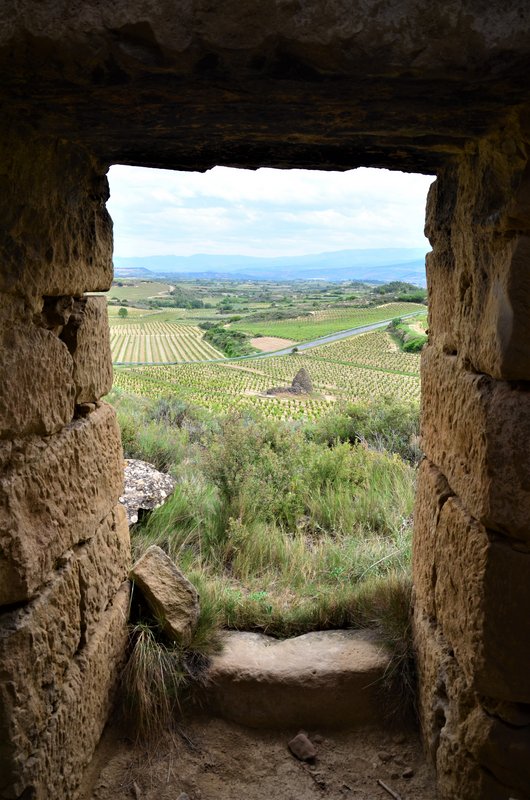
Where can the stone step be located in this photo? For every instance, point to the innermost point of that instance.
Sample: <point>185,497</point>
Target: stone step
<point>321,679</point>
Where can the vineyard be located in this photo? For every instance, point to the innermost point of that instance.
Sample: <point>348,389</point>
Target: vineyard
<point>363,367</point>
<point>326,321</point>
<point>152,340</point>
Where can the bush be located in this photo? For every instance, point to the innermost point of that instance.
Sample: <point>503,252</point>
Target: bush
<point>283,528</point>
<point>384,425</point>
<point>232,343</point>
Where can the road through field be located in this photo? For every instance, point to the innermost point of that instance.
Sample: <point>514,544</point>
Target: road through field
<point>332,337</point>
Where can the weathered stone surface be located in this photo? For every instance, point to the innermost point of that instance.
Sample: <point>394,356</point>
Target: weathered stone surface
<point>477,587</point>
<point>445,701</point>
<point>39,641</point>
<point>501,749</point>
<point>431,494</point>
<point>45,756</point>
<point>477,757</point>
<point>145,488</point>
<point>317,84</point>
<point>173,600</point>
<point>478,279</point>
<point>34,365</point>
<point>87,338</point>
<point>57,232</point>
<point>53,493</point>
<point>327,678</point>
<point>442,89</point>
<point>476,430</point>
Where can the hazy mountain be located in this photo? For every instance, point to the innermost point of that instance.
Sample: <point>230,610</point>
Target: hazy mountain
<point>384,264</point>
<point>132,272</point>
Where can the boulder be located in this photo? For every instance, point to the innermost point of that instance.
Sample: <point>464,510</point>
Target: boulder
<point>145,488</point>
<point>173,600</point>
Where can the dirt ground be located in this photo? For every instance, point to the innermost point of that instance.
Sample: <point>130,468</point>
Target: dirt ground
<point>267,344</point>
<point>210,759</point>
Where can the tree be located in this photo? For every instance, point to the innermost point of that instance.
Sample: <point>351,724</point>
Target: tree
<point>123,312</point>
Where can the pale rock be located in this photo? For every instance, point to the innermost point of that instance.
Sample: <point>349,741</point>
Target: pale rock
<point>324,678</point>
<point>146,488</point>
<point>173,600</point>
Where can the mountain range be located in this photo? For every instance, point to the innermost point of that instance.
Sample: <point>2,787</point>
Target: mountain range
<point>382,264</point>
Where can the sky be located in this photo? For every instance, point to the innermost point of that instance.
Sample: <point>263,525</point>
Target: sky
<point>267,212</point>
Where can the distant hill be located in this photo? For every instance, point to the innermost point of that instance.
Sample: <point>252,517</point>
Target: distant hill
<point>131,272</point>
<point>383,264</point>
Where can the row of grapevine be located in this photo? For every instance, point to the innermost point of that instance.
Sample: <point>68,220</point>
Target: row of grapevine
<point>242,385</point>
<point>327,321</point>
<point>159,342</point>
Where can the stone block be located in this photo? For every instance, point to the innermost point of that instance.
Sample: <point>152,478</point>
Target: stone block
<point>57,233</point>
<point>478,588</point>
<point>478,275</point>
<point>479,294</point>
<point>323,678</point>
<point>48,761</point>
<point>88,339</point>
<point>36,374</point>
<point>503,750</point>
<point>432,492</point>
<point>39,641</point>
<point>482,598</point>
<point>173,600</point>
<point>445,699</point>
<point>476,430</point>
<point>54,492</point>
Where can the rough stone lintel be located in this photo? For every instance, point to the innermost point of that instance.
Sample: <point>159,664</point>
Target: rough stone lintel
<point>477,587</point>
<point>42,757</point>
<point>54,492</point>
<point>476,430</point>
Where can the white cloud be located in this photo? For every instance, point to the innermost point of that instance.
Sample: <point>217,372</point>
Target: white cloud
<point>264,212</point>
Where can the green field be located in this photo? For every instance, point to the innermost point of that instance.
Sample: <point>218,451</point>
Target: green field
<point>365,367</point>
<point>152,340</point>
<point>324,322</point>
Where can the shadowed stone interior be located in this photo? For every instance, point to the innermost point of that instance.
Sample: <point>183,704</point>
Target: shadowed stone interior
<point>324,84</point>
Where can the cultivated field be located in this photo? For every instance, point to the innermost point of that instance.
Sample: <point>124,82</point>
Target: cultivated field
<point>138,290</point>
<point>365,367</point>
<point>151,340</point>
<point>323,322</point>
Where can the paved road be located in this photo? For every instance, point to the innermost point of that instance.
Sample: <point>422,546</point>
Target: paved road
<point>333,337</point>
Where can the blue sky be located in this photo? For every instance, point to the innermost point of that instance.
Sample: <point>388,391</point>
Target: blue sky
<point>266,212</point>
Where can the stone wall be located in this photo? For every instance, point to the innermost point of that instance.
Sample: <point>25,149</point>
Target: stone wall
<point>472,530</point>
<point>64,540</point>
<point>440,88</point>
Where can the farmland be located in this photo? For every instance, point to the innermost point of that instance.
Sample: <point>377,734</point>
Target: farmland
<point>152,340</point>
<point>168,336</point>
<point>362,368</point>
<point>325,321</point>
<point>162,351</point>
<point>137,290</point>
